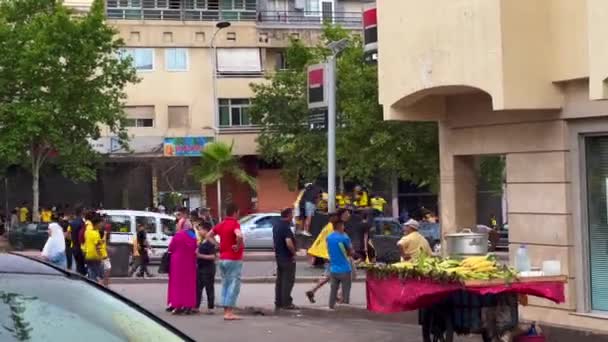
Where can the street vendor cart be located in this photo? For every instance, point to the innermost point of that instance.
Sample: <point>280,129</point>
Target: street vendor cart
<point>485,307</point>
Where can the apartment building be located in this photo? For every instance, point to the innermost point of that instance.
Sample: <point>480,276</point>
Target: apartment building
<point>526,80</point>
<point>181,103</point>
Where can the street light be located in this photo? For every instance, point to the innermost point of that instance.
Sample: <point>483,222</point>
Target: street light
<point>335,47</point>
<point>218,27</point>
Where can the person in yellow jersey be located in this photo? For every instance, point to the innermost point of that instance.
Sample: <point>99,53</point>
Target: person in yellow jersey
<point>342,200</point>
<point>24,213</point>
<point>378,204</point>
<point>46,215</point>
<point>360,197</point>
<point>297,211</point>
<point>93,247</point>
<point>413,243</point>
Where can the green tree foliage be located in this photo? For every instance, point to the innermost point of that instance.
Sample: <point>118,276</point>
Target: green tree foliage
<point>366,144</point>
<point>61,81</point>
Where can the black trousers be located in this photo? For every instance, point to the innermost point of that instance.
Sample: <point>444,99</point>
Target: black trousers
<point>141,263</point>
<point>68,255</point>
<point>205,280</point>
<point>286,278</point>
<point>79,258</point>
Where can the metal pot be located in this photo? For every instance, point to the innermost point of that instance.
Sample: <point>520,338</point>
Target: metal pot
<point>467,243</point>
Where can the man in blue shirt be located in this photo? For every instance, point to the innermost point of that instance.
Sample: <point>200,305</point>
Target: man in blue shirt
<point>340,251</point>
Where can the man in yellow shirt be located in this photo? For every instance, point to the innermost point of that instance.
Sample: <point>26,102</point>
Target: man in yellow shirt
<point>24,213</point>
<point>378,204</point>
<point>360,197</point>
<point>94,247</point>
<point>46,215</point>
<point>413,243</point>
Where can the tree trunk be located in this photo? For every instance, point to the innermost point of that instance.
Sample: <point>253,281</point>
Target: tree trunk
<point>219,199</point>
<point>36,191</point>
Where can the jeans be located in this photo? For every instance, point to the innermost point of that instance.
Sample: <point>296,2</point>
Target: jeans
<point>59,260</point>
<point>95,270</point>
<point>337,279</point>
<point>286,277</point>
<point>206,281</point>
<point>231,281</point>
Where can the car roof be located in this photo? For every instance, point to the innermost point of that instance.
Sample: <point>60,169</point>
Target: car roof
<point>263,214</point>
<point>11,263</point>
<point>136,213</point>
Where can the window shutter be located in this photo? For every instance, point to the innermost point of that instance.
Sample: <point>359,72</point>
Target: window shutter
<point>178,117</point>
<point>300,4</point>
<point>140,112</point>
<point>239,60</point>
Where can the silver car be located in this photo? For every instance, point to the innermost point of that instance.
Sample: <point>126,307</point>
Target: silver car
<point>257,230</point>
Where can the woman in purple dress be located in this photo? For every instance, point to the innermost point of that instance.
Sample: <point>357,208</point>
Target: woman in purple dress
<point>181,294</point>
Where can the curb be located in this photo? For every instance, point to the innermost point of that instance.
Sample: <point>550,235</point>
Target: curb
<point>248,280</point>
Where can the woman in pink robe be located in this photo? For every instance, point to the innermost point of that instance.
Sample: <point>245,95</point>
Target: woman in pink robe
<point>181,294</point>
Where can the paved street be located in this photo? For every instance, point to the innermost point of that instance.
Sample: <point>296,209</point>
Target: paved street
<point>275,328</point>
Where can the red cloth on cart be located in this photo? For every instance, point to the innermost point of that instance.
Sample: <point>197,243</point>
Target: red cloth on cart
<point>390,295</point>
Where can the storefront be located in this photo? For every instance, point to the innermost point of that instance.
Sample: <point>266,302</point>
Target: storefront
<point>526,81</point>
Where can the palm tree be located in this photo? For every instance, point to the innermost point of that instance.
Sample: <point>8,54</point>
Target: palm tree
<point>217,161</point>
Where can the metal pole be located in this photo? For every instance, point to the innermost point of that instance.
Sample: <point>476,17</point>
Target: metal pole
<point>331,135</point>
<point>214,83</point>
<point>7,217</point>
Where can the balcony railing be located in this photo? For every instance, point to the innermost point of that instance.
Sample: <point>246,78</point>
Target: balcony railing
<point>307,18</point>
<point>199,10</point>
<point>195,10</point>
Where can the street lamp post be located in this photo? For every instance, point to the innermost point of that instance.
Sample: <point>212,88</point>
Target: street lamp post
<point>336,48</point>
<point>218,27</point>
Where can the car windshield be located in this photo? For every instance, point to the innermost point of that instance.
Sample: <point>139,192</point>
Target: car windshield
<point>56,308</point>
<point>247,219</point>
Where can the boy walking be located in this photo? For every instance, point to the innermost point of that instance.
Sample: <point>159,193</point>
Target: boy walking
<point>340,251</point>
<point>205,255</point>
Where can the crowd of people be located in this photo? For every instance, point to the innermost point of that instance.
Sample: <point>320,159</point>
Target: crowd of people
<point>81,240</point>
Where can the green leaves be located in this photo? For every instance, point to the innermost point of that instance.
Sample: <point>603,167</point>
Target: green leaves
<point>365,144</point>
<point>217,161</point>
<point>60,82</point>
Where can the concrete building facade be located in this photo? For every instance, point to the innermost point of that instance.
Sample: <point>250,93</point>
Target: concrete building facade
<point>182,103</point>
<point>525,80</point>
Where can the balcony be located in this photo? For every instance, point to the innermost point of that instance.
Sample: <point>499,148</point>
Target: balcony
<point>309,19</point>
<point>184,10</point>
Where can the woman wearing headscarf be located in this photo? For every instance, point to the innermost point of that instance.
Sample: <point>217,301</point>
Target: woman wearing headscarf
<point>54,248</point>
<point>181,293</point>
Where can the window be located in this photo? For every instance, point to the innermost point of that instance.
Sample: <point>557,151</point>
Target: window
<point>239,61</point>
<point>50,307</point>
<point>178,117</point>
<point>596,158</point>
<point>143,58</point>
<point>311,7</point>
<point>168,226</point>
<point>120,224</point>
<point>234,112</point>
<point>149,223</point>
<point>140,116</point>
<point>176,59</point>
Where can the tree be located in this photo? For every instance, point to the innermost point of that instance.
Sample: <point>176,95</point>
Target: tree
<point>61,81</point>
<point>217,162</point>
<point>365,144</point>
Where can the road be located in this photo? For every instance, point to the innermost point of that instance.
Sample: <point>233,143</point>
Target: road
<point>275,328</point>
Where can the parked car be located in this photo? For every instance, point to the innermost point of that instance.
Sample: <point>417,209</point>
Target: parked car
<point>159,228</point>
<point>257,230</point>
<point>28,236</point>
<point>39,302</point>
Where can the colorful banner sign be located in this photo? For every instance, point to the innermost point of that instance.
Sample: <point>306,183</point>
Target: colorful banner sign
<point>184,146</point>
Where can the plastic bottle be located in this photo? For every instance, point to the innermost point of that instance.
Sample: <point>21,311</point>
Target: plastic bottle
<point>522,261</point>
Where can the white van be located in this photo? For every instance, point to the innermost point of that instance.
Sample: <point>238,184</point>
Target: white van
<point>159,228</point>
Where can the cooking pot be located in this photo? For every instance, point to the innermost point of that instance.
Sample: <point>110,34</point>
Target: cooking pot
<point>467,243</point>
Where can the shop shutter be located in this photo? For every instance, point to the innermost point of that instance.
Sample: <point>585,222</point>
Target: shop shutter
<point>597,188</point>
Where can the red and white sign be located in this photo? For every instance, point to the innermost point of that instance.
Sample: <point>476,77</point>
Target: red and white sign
<point>370,32</point>
<point>317,86</point>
